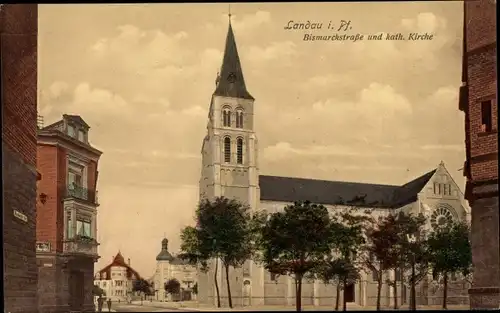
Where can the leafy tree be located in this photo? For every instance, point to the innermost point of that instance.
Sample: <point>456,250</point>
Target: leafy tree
<point>223,232</point>
<point>450,252</point>
<point>294,242</point>
<point>142,286</point>
<point>173,286</point>
<point>98,291</point>
<point>339,272</point>
<point>388,248</point>
<point>198,250</point>
<point>347,239</point>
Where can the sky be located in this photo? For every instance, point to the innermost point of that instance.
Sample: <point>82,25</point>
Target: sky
<point>142,75</point>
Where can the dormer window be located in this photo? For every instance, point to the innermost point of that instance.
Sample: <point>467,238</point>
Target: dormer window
<point>71,131</point>
<point>81,135</point>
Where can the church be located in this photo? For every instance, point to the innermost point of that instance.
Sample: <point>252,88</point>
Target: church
<point>230,168</point>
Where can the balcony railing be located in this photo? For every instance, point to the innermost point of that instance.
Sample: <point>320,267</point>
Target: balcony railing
<point>82,245</point>
<point>78,192</point>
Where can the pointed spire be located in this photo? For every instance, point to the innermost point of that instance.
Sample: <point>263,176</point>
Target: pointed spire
<point>231,82</point>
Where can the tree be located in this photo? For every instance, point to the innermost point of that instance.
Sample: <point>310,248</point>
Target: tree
<point>450,252</point>
<point>380,253</point>
<point>340,266</point>
<point>224,232</point>
<point>197,249</point>
<point>142,286</point>
<point>173,286</point>
<point>226,223</point>
<point>98,291</point>
<point>294,242</point>
<point>389,248</point>
<point>339,272</point>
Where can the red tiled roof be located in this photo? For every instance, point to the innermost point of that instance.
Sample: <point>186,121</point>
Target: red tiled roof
<point>118,261</point>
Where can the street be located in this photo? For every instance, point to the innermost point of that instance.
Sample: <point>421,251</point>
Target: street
<point>140,308</point>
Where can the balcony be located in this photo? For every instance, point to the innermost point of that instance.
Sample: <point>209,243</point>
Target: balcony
<point>81,245</point>
<point>81,193</point>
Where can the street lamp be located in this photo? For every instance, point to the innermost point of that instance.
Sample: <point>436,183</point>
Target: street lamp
<point>412,239</point>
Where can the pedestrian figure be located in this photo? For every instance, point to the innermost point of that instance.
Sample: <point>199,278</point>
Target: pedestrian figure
<point>109,304</point>
<point>100,303</point>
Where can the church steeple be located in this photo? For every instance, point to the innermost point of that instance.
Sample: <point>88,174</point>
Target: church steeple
<point>231,82</point>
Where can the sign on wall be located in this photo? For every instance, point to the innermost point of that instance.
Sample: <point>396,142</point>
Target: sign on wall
<point>43,247</point>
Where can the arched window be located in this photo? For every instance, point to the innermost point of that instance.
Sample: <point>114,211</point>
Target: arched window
<point>239,151</point>
<point>239,119</point>
<point>226,117</point>
<point>227,149</point>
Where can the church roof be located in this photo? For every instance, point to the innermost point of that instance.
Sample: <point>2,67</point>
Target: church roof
<point>118,261</point>
<point>164,255</point>
<point>290,189</point>
<point>230,82</point>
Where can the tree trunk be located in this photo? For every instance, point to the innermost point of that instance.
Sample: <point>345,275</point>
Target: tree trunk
<point>379,289</point>
<point>395,291</point>
<point>216,283</point>
<point>337,299</point>
<point>229,299</point>
<point>298,293</point>
<point>413,293</point>
<point>445,291</point>
<point>344,299</point>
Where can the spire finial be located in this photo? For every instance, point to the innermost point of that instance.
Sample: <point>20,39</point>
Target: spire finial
<point>229,13</point>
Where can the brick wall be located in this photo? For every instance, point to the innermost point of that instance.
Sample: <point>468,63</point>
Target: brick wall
<point>18,44</point>
<point>481,27</point>
<point>482,82</point>
<point>480,59</point>
<point>19,79</point>
<point>47,216</point>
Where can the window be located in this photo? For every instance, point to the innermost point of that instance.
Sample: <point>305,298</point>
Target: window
<point>104,284</point>
<point>81,136</point>
<point>445,189</point>
<point>75,175</point>
<point>374,275</point>
<point>83,228</point>
<point>239,119</point>
<point>239,151</point>
<point>226,117</point>
<point>486,116</point>
<point>74,180</point>
<point>71,131</point>
<point>439,189</point>
<point>227,149</point>
<point>436,187</point>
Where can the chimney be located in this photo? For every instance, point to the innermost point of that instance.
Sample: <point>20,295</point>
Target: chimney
<point>128,262</point>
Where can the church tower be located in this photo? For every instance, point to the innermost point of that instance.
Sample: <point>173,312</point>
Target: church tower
<point>229,150</point>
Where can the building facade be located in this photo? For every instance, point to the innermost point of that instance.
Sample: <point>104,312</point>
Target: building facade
<point>478,100</point>
<point>66,216</point>
<point>18,64</point>
<point>117,279</point>
<point>230,169</point>
<point>171,267</point>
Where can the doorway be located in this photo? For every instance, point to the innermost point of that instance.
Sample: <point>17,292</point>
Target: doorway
<point>247,292</point>
<point>76,290</point>
<point>349,293</point>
